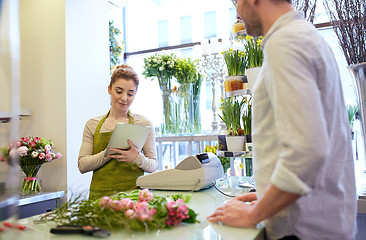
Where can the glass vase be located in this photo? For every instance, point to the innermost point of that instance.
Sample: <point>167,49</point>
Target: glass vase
<point>186,108</point>
<point>30,183</point>
<point>196,114</point>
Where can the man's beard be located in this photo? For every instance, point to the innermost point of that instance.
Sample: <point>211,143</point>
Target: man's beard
<point>253,25</point>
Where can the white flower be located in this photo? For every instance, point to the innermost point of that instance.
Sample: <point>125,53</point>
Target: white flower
<point>163,63</point>
<point>47,147</point>
<point>158,61</point>
<point>168,62</point>
<point>34,154</point>
<point>22,151</point>
<point>154,60</point>
<point>149,60</point>
<point>161,68</point>
<point>171,65</point>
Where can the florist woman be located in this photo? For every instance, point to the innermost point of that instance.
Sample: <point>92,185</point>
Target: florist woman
<point>116,173</point>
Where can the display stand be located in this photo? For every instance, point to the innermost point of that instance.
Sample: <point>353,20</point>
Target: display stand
<point>231,155</point>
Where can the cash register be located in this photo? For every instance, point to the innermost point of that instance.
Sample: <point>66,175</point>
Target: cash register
<point>194,173</point>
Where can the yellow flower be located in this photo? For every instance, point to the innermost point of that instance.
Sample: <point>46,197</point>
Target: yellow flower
<point>241,166</point>
<point>248,37</point>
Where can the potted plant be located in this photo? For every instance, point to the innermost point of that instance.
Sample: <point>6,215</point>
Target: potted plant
<point>236,63</point>
<point>254,53</point>
<point>247,123</point>
<point>231,115</point>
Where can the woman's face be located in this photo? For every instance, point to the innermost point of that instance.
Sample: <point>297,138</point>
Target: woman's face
<point>122,93</point>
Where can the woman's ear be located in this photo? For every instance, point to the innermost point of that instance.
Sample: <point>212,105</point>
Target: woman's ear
<point>109,89</point>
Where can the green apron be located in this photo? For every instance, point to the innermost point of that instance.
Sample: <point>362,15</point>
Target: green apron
<point>114,176</point>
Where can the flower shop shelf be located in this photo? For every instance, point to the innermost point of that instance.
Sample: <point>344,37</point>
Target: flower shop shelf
<point>242,154</point>
<point>31,205</point>
<point>6,116</point>
<point>240,92</point>
<point>202,202</point>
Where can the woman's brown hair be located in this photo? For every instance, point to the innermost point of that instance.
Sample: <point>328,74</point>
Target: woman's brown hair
<point>126,72</point>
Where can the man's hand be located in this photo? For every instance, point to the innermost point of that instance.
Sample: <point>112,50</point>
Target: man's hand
<point>235,213</point>
<point>246,197</point>
<point>125,155</point>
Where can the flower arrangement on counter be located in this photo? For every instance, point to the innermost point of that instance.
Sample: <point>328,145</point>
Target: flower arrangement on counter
<point>139,210</point>
<point>32,153</point>
<point>231,109</point>
<point>161,66</point>
<point>253,51</point>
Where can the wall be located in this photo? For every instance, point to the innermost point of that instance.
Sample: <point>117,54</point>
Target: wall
<point>43,86</point>
<point>64,79</point>
<point>87,77</point>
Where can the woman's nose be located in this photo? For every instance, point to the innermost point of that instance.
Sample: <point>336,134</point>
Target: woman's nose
<point>123,96</point>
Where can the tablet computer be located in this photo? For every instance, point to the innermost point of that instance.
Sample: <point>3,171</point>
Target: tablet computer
<point>124,132</point>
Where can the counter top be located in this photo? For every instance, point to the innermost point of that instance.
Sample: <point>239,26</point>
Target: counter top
<point>203,202</point>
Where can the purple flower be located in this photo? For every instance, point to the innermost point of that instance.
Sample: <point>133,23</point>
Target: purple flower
<point>58,155</point>
<point>48,157</point>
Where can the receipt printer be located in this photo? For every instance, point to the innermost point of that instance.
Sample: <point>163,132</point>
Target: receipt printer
<point>193,173</point>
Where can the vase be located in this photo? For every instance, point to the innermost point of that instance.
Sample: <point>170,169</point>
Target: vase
<point>196,114</point>
<point>252,74</point>
<point>235,143</point>
<point>168,126</point>
<point>248,167</point>
<point>185,109</point>
<point>30,183</point>
<point>358,72</point>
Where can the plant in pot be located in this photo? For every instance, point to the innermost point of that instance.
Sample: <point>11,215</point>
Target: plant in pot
<point>254,53</point>
<point>247,123</point>
<point>236,63</point>
<point>231,114</point>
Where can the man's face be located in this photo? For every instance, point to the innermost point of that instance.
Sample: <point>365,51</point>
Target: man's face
<point>252,22</point>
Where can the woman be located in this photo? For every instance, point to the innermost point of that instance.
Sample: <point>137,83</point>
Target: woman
<point>118,172</point>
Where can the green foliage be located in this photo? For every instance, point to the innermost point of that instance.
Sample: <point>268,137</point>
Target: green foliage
<point>236,62</point>
<point>115,49</point>
<point>351,111</point>
<point>247,117</point>
<point>160,66</point>
<point>231,113</point>
<point>253,51</point>
<point>88,212</point>
<point>186,70</point>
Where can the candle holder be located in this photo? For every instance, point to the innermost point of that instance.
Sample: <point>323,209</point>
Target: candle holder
<point>214,67</point>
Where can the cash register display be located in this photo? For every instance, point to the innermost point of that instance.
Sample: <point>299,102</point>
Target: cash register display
<point>203,158</point>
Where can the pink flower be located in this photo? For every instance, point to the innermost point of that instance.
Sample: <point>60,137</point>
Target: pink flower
<point>116,205</point>
<point>105,202</point>
<point>3,159</point>
<point>25,139</point>
<point>13,153</point>
<point>41,155</point>
<point>34,154</point>
<point>58,155</point>
<point>129,213</point>
<point>22,151</point>
<point>145,195</point>
<point>47,147</point>
<point>11,145</point>
<point>32,144</point>
<point>177,211</point>
<point>48,157</point>
<point>126,203</point>
<point>140,206</point>
<point>37,139</point>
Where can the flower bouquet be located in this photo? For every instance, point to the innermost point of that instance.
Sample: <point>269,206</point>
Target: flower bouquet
<point>253,51</point>
<point>139,210</point>
<point>32,153</point>
<point>162,67</point>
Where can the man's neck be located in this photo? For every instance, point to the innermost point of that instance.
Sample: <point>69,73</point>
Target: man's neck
<point>271,11</point>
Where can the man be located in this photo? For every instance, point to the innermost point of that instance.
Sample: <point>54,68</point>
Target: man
<point>303,161</point>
